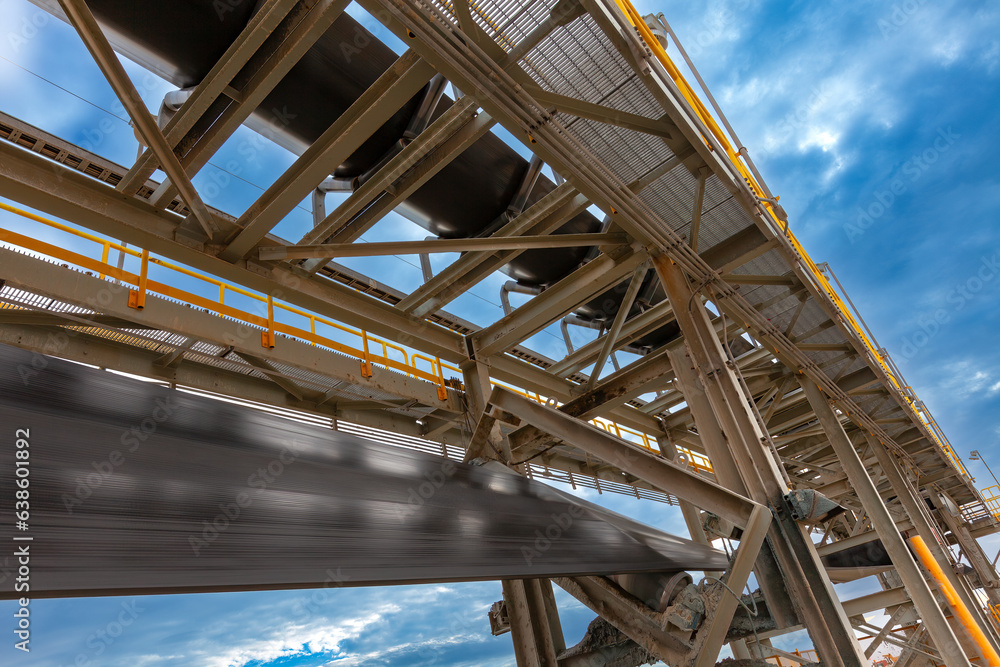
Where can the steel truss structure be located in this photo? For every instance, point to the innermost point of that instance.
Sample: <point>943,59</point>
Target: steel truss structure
<point>755,386</point>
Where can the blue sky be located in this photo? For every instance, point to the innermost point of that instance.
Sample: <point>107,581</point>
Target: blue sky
<point>872,120</point>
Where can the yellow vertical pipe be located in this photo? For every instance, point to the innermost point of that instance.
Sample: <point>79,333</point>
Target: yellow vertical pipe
<point>952,596</point>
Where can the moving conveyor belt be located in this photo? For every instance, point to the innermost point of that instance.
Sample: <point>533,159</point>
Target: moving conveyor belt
<point>138,488</point>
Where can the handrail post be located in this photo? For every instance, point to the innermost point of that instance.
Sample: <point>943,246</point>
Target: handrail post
<point>366,366</point>
<point>137,298</point>
<point>442,388</point>
<point>267,337</point>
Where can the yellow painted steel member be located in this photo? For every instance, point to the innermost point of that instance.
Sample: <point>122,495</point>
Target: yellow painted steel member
<point>925,556</point>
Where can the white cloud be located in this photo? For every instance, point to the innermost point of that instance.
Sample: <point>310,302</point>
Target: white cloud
<point>967,377</point>
<point>290,640</point>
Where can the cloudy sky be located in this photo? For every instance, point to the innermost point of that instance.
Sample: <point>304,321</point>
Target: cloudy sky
<point>874,122</point>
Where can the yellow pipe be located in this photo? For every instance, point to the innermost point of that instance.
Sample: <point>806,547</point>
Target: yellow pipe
<point>961,610</point>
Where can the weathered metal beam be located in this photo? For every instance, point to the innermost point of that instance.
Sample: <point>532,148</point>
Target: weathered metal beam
<point>432,149</point>
<point>582,109</point>
<point>624,308</point>
<point>941,631</point>
<point>578,287</point>
<point>632,329</point>
<point>86,26</point>
<point>546,215</point>
<point>369,112</point>
<point>260,27</point>
<point>332,250</point>
<point>640,376</point>
<point>877,640</point>
<point>630,458</point>
<point>26,177</point>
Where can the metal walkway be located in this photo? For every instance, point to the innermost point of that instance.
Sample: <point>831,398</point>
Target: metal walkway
<point>735,359</point>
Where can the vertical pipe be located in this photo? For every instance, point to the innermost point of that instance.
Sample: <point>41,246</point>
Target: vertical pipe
<point>916,510</point>
<point>952,596</point>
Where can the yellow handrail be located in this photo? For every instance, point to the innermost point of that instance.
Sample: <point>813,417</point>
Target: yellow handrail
<point>738,161</point>
<point>267,324</point>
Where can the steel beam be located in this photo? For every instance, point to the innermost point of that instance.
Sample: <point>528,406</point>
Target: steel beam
<point>27,178</point>
<point>86,25</point>
<point>578,287</point>
<point>425,146</point>
<point>640,376</point>
<point>557,103</point>
<point>260,27</point>
<point>628,615</point>
<point>624,308</point>
<point>627,457</point>
<point>380,248</point>
<point>546,215</point>
<point>369,112</point>
<point>754,518</point>
<point>632,329</point>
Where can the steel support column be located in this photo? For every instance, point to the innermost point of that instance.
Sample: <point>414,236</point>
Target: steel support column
<point>805,579</point>
<point>529,623</point>
<point>940,630</point>
<point>728,475</point>
<point>534,618</point>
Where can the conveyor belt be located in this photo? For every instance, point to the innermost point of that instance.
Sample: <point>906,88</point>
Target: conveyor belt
<point>127,478</point>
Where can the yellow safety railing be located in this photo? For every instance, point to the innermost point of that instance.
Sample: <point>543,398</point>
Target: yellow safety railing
<point>994,610</point>
<point>738,161</point>
<point>411,362</point>
<point>697,461</point>
<point>991,499</point>
<point>268,324</point>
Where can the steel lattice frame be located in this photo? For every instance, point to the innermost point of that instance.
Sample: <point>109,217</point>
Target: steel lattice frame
<point>586,92</point>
